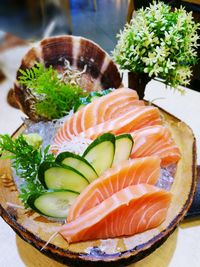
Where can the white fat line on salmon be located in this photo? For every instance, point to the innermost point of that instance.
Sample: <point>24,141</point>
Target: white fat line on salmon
<point>158,212</point>
<point>117,178</point>
<point>129,195</point>
<point>111,225</point>
<point>152,175</point>
<point>95,111</point>
<point>132,220</point>
<point>106,191</point>
<point>74,123</point>
<point>148,207</point>
<point>116,200</point>
<point>141,189</point>
<point>13,205</point>
<point>126,225</point>
<point>99,195</point>
<point>83,116</point>
<point>120,220</point>
<point>118,107</point>
<point>64,130</point>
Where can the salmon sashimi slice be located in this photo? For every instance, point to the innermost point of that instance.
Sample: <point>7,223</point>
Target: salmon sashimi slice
<point>169,154</point>
<point>103,109</point>
<point>130,172</point>
<point>117,111</point>
<point>98,111</point>
<point>131,210</point>
<point>135,119</point>
<point>155,140</point>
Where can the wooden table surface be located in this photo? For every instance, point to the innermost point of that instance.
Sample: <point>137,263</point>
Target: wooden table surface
<point>183,246</point>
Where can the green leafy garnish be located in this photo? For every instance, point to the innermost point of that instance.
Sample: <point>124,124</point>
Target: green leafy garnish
<point>26,161</point>
<point>53,98</point>
<point>160,42</point>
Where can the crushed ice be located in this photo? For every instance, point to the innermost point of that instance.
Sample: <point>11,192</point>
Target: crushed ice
<point>78,145</point>
<point>166,179</point>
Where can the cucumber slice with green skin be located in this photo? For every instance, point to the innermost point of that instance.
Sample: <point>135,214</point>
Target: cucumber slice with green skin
<point>79,163</point>
<point>55,176</point>
<point>100,152</point>
<point>53,203</point>
<point>123,148</point>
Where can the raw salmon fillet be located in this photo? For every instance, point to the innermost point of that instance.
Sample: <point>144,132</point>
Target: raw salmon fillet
<point>136,118</point>
<point>155,140</point>
<point>132,210</point>
<point>130,172</point>
<point>98,111</point>
<point>118,110</point>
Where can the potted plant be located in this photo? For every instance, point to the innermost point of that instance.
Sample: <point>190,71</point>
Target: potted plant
<point>158,42</point>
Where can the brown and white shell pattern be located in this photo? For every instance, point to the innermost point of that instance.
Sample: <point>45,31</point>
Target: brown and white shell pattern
<point>94,66</point>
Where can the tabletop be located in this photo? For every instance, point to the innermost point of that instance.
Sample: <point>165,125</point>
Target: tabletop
<point>181,248</point>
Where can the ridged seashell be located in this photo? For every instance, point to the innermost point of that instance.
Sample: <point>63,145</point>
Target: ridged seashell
<point>100,73</point>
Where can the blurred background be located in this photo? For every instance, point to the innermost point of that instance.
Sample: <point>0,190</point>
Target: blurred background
<point>93,19</point>
<point>25,21</point>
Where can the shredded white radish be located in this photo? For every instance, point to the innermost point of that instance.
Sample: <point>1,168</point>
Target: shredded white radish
<point>76,145</point>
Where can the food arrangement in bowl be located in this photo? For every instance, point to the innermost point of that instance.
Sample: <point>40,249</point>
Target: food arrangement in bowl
<point>98,176</point>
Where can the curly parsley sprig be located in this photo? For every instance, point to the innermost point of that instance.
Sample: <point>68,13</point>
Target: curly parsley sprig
<point>26,161</point>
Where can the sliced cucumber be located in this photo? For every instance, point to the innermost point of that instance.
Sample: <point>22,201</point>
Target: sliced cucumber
<point>79,163</point>
<point>123,148</point>
<point>100,152</point>
<point>53,204</point>
<point>54,176</point>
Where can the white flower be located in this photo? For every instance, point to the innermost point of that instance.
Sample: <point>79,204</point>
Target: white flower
<point>159,42</point>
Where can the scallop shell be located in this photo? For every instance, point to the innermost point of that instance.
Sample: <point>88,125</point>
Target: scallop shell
<point>94,66</point>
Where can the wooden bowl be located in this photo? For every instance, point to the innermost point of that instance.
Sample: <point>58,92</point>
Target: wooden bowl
<point>36,229</point>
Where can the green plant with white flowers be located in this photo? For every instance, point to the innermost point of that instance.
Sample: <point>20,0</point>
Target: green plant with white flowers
<point>159,42</point>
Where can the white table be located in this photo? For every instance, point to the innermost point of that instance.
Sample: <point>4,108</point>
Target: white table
<point>183,246</point>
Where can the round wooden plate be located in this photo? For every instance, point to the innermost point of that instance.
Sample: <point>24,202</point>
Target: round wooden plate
<point>36,229</point>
